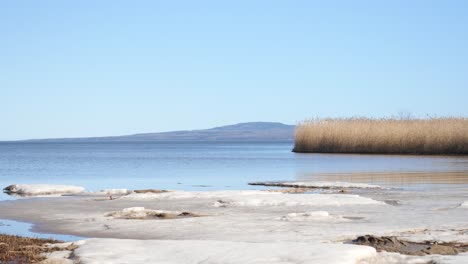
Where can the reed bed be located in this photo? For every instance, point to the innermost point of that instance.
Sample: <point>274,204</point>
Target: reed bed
<point>18,250</point>
<point>436,136</point>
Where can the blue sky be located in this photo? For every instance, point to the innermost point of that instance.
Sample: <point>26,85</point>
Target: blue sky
<point>96,68</point>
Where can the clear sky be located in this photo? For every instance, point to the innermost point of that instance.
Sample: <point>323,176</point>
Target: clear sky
<point>98,68</point>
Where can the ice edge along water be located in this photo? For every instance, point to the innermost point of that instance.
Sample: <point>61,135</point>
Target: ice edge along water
<point>43,189</point>
<point>54,189</point>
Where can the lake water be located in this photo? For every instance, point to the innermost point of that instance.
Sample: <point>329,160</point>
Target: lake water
<point>16,228</point>
<point>210,166</point>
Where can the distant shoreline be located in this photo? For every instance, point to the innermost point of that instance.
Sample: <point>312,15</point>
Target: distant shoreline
<point>72,141</point>
<point>242,132</point>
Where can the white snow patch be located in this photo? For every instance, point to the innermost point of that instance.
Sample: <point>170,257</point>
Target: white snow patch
<point>395,258</point>
<point>62,245</point>
<point>57,257</point>
<point>441,234</point>
<point>105,251</point>
<point>259,198</point>
<point>461,258</point>
<point>116,191</point>
<point>464,204</point>
<point>302,199</point>
<point>194,195</point>
<point>62,256</point>
<point>310,216</point>
<point>43,189</point>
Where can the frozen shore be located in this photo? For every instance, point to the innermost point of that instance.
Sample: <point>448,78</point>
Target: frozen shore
<point>247,226</point>
<point>42,189</point>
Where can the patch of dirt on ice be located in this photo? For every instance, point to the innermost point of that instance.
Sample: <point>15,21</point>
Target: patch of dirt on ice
<point>290,190</point>
<point>395,244</point>
<point>392,202</point>
<point>141,213</point>
<point>221,203</point>
<point>290,185</point>
<point>150,191</point>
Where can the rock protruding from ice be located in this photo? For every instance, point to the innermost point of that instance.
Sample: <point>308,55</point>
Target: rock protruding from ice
<point>259,198</point>
<point>316,184</point>
<point>96,250</point>
<point>143,213</point>
<point>42,189</point>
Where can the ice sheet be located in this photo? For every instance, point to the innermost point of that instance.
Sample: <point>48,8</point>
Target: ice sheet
<point>258,198</point>
<point>44,189</point>
<point>103,251</point>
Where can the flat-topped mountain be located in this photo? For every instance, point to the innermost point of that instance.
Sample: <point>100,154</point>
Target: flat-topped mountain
<point>252,131</point>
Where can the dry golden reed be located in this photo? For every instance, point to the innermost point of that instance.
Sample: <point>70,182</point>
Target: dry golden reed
<point>19,250</point>
<point>447,135</point>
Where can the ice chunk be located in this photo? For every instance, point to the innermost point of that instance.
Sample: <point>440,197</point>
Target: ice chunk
<point>42,189</point>
<point>116,191</point>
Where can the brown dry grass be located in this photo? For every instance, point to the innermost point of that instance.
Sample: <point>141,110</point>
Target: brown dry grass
<point>448,135</point>
<point>16,249</point>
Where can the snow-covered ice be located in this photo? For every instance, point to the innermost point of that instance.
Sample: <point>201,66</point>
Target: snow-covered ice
<point>115,191</point>
<point>304,199</point>
<point>250,225</point>
<point>311,216</point>
<point>194,195</point>
<point>104,251</point>
<point>259,198</point>
<point>43,189</point>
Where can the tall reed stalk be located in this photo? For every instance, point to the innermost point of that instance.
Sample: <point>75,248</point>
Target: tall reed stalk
<point>448,135</point>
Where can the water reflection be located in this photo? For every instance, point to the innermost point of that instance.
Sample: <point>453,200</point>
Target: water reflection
<point>383,169</point>
<point>16,228</point>
<point>392,178</point>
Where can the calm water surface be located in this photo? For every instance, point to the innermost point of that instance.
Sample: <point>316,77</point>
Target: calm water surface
<point>208,166</point>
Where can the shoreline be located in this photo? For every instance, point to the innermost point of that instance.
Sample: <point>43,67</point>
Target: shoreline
<point>323,220</point>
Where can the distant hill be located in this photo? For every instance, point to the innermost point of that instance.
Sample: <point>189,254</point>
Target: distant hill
<point>253,131</point>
